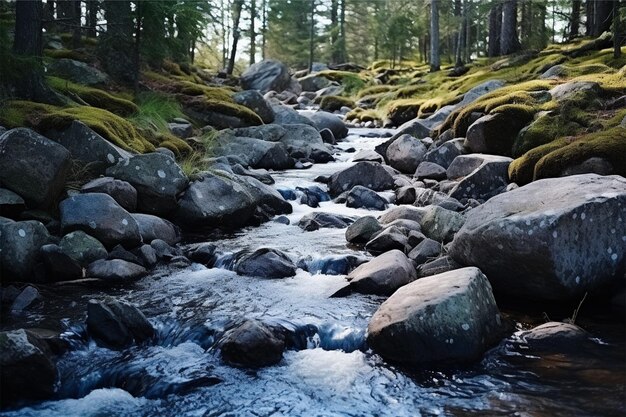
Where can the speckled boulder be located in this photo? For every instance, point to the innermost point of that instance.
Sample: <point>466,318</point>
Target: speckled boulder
<point>552,239</point>
<point>20,243</point>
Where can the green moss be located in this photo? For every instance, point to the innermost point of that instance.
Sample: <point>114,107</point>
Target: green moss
<point>156,110</point>
<point>334,103</point>
<point>67,53</point>
<point>205,104</point>
<point>93,97</point>
<point>400,111</point>
<point>363,115</point>
<point>373,90</point>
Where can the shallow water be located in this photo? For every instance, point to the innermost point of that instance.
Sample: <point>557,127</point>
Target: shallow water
<point>328,371</point>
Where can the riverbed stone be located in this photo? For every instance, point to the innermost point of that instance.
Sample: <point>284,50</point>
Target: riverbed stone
<point>320,220</point>
<point>362,230</point>
<point>255,101</point>
<point>256,153</point>
<point>60,266</point>
<point>427,197</point>
<point>266,75</point>
<point>271,132</point>
<point>121,191</point>
<point>445,153</point>
<point>100,216</point>
<point>325,120</point>
<point>304,141</point>
<point>20,244</point>
<point>27,369</point>
<point>116,324</point>
<point>82,247</point>
<point>552,239</point>
<point>33,166</point>
<point>266,263</point>
<point>157,178</point>
<point>402,212</point>
<point>153,227</point>
<point>425,250</point>
<point>406,153</point>
<point>368,174</point>
<point>383,274</point>
<point>437,266</point>
<point>447,318</point>
<point>556,337</point>
<point>252,344</point>
<point>388,239</point>
<point>115,271</point>
<point>430,170</point>
<point>480,176</point>
<point>441,224</point>
<point>331,265</point>
<point>362,197</point>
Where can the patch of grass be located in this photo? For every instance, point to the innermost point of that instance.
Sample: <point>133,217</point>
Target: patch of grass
<point>67,53</point>
<point>155,111</point>
<point>195,162</point>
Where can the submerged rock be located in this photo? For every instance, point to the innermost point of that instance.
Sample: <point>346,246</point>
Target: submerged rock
<point>115,324</point>
<point>447,318</point>
<point>552,239</point>
<point>252,344</point>
<point>320,220</point>
<point>266,263</point>
<point>115,271</point>
<point>363,197</point>
<point>557,337</point>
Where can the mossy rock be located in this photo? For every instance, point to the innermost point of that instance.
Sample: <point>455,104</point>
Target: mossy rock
<point>334,103</point>
<point>218,113</point>
<point>495,133</point>
<point>67,53</point>
<point>375,89</point>
<point>401,111</point>
<point>93,97</point>
<point>43,117</point>
<point>364,116</point>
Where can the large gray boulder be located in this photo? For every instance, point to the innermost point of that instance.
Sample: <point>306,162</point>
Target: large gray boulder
<point>285,115</point>
<point>320,220</point>
<point>153,227</point>
<point>325,120</point>
<point>266,75</point>
<point>20,243</point>
<point>368,174</point>
<point>255,101</point>
<point>77,71</point>
<point>360,196</point>
<point>495,133</point>
<point>157,178</point>
<point>406,153</point>
<point>121,191</point>
<point>414,128</point>
<point>305,141</point>
<point>100,216</point>
<point>445,153</point>
<point>216,200</point>
<point>480,176</point>
<point>552,239</point>
<point>116,324</point>
<point>252,344</point>
<point>362,230</point>
<point>441,224</point>
<point>314,82</point>
<point>87,146</point>
<point>33,166</point>
<point>383,274</point>
<point>256,153</point>
<point>266,263</point>
<point>27,370</point>
<point>402,212</point>
<point>446,318</point>
<point>82,248</point>
<point>390,238</point>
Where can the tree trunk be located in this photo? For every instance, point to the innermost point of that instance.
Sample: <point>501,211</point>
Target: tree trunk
<point>264,27</point>
<point>65,10</point>
<point>434,36</point>
<point>574,22</point>
<point>76,23</point>
<point>617,31</point>
<point>467,6</point>
<point>461,37</point>
<point>48,15</point>
<point>237,6</point>
<point>508,34</point>
<point>117,46</point>
<point>343,53</point>
<point>589,13</point>
<point>252,32</point>
<point>311,34</point>
<point>602,17</point>
<point>92,18</point>
<point>334,31</point>
<point>495,27</point>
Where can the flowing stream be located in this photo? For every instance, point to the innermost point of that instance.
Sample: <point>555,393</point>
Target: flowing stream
<point>328,371</point>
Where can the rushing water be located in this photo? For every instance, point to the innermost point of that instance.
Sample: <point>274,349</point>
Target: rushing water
<point>329,370</point>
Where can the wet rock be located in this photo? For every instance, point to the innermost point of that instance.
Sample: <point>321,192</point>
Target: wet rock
<point>362,197</point>
<point>100,216</point>
<point>83,248</point>
<point>405,154</point>
<point>557,337</point>
<point>430,170</point>
<point>147,255</point>
<point>153,227</point>
<point>426,250</point>
<point>266,263</point>
<point>25,299</point>
<point>20,244</point>
<point>87,146</point>
<point>388,239</point>
<point>157,179</point>
<point>367,155</point>
<point>11,204</point>
<point>383,274</point>
<point>77,71</point>
<point>551,239</point>
<point>285,115</point>
<point>254,100</point>
<point>482,176</point>
<point>437,266</point>
<point>27,369</point>
<point>33,166</point>
<point>325,120</point>
<point>59,265</point>
<point>266,75</point>
<point>258,174</point>
<point>405,195</point>
<point>445,153</point>
<point>332,265</point>
<point>215,201</point>
<point>252,344</point>
<point>303,141</point>
<point>119,252</point>
<point>282,220</point>
<point>362,230</point>
<point>441,224</point>
<point>447,318</point>
<point>405,226</point>
<point>163,251</point>
<point>121,191</point>
<point>402,212</point>
<point>115,324</point>
<point>256,153</point>
<point>265,197</point>
<point>320,220</point>
<point>368,174</point>
<point>115,271</point>
<point>328,137</point>
<point>205,254</point>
